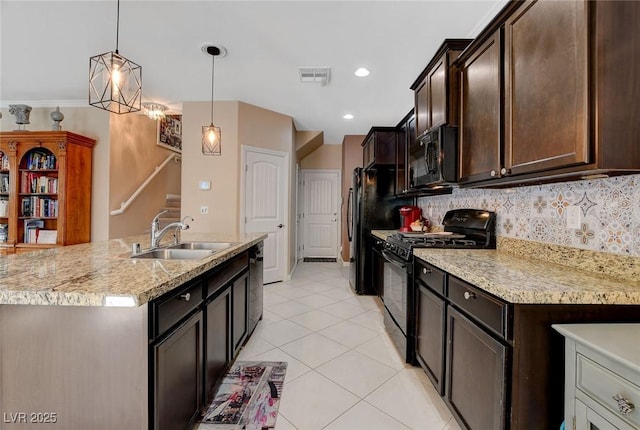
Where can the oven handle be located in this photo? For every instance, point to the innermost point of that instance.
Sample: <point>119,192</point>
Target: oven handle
<point>390,258</point>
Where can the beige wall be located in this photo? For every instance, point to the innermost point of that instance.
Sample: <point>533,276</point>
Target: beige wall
<point>325,157</point>
<point>134,157</point>
<point>223,171</point>
<point>87,121</point>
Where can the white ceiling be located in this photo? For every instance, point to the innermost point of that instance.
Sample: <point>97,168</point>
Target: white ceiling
<point>45,48</point>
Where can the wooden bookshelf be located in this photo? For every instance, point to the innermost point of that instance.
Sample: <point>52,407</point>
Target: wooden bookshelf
<point>49,189</point>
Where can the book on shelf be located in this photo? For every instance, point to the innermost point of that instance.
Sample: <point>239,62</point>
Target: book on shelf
<point>31,227</point>
<point>41,161</point>
<point>47,236</point>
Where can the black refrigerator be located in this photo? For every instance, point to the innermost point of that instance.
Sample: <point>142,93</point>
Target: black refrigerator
<point>371,206</point>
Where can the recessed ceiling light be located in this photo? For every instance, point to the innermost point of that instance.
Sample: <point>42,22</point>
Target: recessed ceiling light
<point>348,116</point>
<point>362,72</point>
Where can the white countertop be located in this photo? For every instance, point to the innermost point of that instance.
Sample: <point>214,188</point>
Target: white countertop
<point>619,342</point>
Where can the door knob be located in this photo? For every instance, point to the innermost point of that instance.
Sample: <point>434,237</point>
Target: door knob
<point>334,220</point>
<point>280,225</point>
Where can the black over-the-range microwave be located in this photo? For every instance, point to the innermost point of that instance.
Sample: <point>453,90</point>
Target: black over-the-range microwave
<point>433,158</point>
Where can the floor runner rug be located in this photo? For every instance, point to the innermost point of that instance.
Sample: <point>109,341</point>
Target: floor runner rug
<point>248,397</point>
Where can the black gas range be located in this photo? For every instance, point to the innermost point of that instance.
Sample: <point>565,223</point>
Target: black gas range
<point>463,229</point>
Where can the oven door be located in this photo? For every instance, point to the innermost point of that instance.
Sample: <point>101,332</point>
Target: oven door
<point>395,287</point>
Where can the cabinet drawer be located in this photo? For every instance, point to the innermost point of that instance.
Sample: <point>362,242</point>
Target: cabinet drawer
<point>175,306</point>
<point>430,275</point>
<point>226,273</point>
<point>602,385</point>
<point>485,309</point>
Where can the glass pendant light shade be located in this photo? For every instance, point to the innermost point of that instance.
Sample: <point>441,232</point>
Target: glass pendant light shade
<point>212,135</point>
<point>115,83</point>
<point>211,140</point>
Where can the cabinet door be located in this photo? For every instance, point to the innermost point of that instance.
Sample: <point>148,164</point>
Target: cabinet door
<point>401,160</point>
<point>368,152</point>
<point>240,314</point>
<point>588,419</point>
<point>422,107</point>
<point>177,376</point>
<point>546,86</point>
<point>430,335</point>
<point>480,113</point>
<point>475,374</point>
<point>217,340</point>
<point>377,267</point>
<point>437,81</point>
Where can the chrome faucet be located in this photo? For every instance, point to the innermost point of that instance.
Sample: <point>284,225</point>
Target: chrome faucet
<point>156,234</point>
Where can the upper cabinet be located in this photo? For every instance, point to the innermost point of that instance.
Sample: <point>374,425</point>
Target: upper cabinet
<point>406,133</point>
<point>481,112</point>
<point>379,147</point>
<point>547,93</point>
<point>435,89</point>
<point>47,180</point>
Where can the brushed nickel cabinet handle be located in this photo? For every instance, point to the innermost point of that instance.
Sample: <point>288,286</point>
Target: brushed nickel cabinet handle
<point>425,270</point>
<point>469,295</point>
<point>493,173</point>
<point>186,297</point>
<point>624,406</point>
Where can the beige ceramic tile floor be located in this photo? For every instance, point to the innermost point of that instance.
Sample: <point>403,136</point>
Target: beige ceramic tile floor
<point>343,372</point>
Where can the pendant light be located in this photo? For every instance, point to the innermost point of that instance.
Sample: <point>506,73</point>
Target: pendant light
<point>115,83</point>
<point>212,135</point>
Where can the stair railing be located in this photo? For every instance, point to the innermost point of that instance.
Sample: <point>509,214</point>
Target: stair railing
<point>125,205</point>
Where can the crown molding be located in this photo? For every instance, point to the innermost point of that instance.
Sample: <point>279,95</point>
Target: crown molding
<point>46,103</point>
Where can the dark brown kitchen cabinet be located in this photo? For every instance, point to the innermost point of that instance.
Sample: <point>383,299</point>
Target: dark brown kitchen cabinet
<point>548,91</point>
<point>406,134</point>
<point>218,340</point>
<point>240,311</point>
<point>430,334</point>
<point>546,87</point>
<point>436,88</point>
<point>379,147</point>
<point>177,361</point>
<point>481,112</point>
<point>476,374</point>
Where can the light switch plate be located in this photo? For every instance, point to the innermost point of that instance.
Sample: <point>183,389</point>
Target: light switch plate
<point>204,210</point>
<point>574,217</point>
<point>204,185</point>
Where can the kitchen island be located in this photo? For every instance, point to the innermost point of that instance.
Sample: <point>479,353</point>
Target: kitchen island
<point>86,332</point>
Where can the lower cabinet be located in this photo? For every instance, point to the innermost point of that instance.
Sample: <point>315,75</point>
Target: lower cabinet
<point>177,361</point>
<point>430,335</point>
<point>196,331</point>
<point>476,374</point>
<point>377,266</point>
<point>217,340</point>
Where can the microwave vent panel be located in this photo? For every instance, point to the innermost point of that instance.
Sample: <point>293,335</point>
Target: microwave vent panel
<point>319,75</point>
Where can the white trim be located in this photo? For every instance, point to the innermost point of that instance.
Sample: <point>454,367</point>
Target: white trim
<point>46,103</point>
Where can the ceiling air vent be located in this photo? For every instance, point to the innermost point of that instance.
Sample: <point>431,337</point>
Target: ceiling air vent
<point>315,74</point>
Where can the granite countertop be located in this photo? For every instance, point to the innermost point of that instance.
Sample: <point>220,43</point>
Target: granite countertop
<point>558,275</point>
<point>102,274</point>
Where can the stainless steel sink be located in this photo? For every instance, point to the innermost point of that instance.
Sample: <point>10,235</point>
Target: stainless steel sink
<point>175,254</point>
<point>212,246</point>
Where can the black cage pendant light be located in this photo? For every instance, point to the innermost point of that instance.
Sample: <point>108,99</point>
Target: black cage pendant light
<point>212,135</point>
<point>115,83</point>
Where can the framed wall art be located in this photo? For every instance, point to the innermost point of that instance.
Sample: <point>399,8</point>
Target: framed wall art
<point>170,132</point>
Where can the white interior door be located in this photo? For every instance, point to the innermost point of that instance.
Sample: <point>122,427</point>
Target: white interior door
<point>265,202</point>
<point>321,214</point>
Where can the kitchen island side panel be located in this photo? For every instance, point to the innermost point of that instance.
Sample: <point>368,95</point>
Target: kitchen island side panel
<point>82,367</point>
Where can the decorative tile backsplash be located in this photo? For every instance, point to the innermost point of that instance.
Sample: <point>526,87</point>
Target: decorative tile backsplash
<point>610,210</point>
